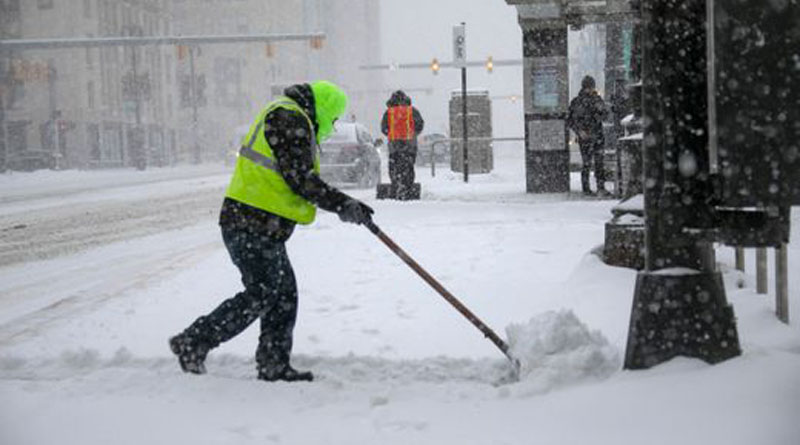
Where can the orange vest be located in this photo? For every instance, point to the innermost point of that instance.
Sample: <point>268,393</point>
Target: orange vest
<point>401,123</point>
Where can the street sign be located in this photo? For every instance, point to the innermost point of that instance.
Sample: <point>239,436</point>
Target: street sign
<point>459,45</point>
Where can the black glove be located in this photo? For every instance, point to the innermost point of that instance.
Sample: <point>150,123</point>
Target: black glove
<point>355,211</point>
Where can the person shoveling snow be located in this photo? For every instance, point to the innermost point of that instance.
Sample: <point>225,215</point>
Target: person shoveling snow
<point>275,186</point>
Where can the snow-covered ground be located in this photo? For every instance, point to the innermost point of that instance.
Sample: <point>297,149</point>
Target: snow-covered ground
<point>84,322</point>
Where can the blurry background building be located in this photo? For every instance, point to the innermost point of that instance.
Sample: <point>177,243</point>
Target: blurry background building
<point>78,107</point>
<point>137,106</point>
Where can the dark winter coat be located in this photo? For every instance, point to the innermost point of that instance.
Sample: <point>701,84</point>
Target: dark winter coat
<point>295,158</point>
<point>586,114</point>
<point>400,98</point>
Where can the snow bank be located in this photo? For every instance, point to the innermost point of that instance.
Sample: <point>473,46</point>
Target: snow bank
<point>556,348</point>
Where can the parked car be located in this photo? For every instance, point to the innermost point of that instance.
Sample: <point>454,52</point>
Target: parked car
<point>441,153</point>
<point>350,157</point>
<point>30,160</point>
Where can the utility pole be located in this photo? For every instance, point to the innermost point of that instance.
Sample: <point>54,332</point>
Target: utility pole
<point>464,121</point>
<point>136,146</point>
<point>5,72</point>
<point>135,84</point>
<point>193,88</point>
<point>460,58</point>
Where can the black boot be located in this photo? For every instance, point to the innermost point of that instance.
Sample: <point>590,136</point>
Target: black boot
<point>287,374</point>
<point>191,354</point>
<point>585,187</point>
<point>602,192</point>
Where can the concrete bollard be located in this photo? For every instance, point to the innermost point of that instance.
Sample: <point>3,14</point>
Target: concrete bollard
<point>740,258</point>
<point>782,283</point>
<point>761,270</point>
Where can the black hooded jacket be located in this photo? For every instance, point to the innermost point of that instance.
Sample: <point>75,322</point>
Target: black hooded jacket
<point>586,113</point>
<point>295,157</point>
<point>400,98</point>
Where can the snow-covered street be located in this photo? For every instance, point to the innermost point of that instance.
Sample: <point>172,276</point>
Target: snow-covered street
<point>94,279</point>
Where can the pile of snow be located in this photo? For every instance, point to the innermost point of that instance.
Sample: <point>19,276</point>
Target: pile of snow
<point>556,348</point>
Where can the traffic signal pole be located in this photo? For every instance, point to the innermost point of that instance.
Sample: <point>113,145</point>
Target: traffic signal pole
<point>95,42</point>
<point>460,59</point>
<point>193,88</point>
<point>465,150</point>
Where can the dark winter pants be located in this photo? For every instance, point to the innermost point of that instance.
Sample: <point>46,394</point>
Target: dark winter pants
<point>592,153</point>
<point>402,155</point>
<point>270,293</point>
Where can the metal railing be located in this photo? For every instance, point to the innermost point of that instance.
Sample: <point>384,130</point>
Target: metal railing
<point>478,139</point>
<point>781,276</point>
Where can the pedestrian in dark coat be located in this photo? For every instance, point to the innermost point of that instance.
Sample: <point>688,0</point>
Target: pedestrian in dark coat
<point>275,186</point>
<point>401,123</point>
<point>585,117</point>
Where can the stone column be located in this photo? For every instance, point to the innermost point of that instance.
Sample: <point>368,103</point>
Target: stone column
<point>546,84</point>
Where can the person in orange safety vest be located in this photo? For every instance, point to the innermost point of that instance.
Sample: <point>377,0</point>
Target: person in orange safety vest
<point>401,124</point>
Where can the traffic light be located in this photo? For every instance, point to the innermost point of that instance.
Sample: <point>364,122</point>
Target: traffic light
<point>489,65</point>
<point>316,42</point>
<point>435,66</point>
<point>269,50</point>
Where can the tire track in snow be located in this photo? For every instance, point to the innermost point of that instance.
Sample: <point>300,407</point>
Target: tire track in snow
<point>52,232</point>
<point>84,292</point>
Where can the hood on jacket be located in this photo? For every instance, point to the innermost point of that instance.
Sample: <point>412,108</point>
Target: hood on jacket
<point>322,101</point>
<point>588,83</point>
<point>330,104</point>
<point>302,94</point>
<point>399,97</point>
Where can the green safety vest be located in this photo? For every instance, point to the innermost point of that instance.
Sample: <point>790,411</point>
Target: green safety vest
<point>257,181</point>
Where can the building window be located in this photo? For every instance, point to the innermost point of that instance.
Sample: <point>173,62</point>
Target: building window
<point>87,9</point>
<point>44,4</point>
<point>168,69</point>
<point>186,99</point>
<point>17,136</point>
<point>89,55</point>
<point>90,94</point>
<point>10,7</point>
<point>227,81</point>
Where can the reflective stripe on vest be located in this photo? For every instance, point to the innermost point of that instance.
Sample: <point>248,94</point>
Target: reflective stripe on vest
<point>401,122</point>
<point>247,150</point>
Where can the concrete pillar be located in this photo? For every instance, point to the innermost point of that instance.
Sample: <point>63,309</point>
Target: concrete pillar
<point>782,283</point>
<point>739,258</point>
<point>761,270</point>
<point>545,88</point>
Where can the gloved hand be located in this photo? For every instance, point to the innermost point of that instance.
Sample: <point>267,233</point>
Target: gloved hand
<point>355,211</point>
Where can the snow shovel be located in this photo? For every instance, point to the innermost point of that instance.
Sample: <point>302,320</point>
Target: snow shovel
<point>486,330</point>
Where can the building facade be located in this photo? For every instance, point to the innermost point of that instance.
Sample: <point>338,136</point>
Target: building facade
<point>237,80</point>
<point>87,107</point>
<point>156,105</point>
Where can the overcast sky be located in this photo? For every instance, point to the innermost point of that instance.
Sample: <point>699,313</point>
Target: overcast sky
<point>419,30</point>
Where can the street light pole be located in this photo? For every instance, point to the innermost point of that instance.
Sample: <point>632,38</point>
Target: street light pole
<point>460,60</point>
<point>137,142</point>
<point>464,120</point>
<point>193,88</point>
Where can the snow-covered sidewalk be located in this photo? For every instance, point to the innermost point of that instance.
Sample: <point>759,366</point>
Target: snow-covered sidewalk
<point>83,355</point>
